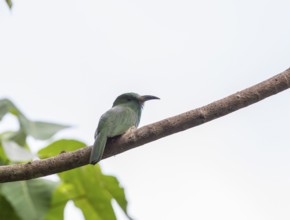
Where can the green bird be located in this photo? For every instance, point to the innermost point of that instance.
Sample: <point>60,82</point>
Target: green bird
<point>125,113</point>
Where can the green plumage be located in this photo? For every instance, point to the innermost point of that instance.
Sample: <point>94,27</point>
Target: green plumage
<point>125,113</point>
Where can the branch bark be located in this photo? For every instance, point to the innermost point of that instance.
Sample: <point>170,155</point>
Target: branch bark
<point>152,132</point>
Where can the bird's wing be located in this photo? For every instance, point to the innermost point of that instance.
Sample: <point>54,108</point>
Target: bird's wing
<point>114,122</point>
<point>117,121</point>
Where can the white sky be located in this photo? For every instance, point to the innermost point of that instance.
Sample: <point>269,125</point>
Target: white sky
<point>66,61</point>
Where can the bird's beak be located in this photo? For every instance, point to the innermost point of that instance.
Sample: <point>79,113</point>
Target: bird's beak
<point>145,98</point>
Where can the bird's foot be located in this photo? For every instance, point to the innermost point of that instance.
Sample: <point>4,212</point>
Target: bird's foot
<point>129,133</point>
<point>131,129</point>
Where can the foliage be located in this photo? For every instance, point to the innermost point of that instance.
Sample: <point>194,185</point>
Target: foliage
<point>91,188</point>
<point>38,199</point>
<point>58,147</point>
<point>9,3</point>
<point>30,199</point>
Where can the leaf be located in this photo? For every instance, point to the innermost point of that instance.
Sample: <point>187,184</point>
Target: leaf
<point>30,199</point>
<point>9,3</point>
<point>15,136</point>
<point>91,197</point>
<point>94,192</point>
<point>117,192</point>
<point>59,146</point>
<point>3,158</point>
<point>7,106</point>
<point>6,210</point>
<point>13,147</point>
<point>3,109</point>
<point>14,152</point>
<point>40,130</point>
<point>19,137</point>
<point>37,129</point>
<point>60,197</point>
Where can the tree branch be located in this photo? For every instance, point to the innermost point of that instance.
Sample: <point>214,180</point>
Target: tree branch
<point>152,132</point>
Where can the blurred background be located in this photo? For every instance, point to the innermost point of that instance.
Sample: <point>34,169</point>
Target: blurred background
<point>66,62</point>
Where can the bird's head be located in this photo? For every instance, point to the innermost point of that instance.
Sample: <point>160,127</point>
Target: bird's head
<point>133,98</point>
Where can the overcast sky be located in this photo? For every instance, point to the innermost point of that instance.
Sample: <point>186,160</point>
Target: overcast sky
<point>66,61</point>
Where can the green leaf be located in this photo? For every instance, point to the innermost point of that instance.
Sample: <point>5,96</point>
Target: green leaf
<point>30,199</point>
<point>62,194</point>
<point>94,192</point>
<point>6,210</point>
<point>19,137</point>
<point>91,197</point>
<point>40,130</point>
<point>6,106</point>
<point>37,129</point>
<point>13,147</point>
<point>117,192</point>
<point>14,152</point>
<point>9,3</point>
<point>3,109</point>
<point>3,158</point>
<point>59,146</point>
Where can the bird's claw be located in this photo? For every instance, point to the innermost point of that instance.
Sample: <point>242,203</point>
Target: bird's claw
<point>132,129</point>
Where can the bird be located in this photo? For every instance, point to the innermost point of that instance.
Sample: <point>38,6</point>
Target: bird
<point>124,115</point>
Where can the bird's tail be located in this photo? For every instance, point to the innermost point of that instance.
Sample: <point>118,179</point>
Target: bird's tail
<point>98,148</point>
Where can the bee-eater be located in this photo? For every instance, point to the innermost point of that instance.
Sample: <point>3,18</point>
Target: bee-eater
<point>125,113</point>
